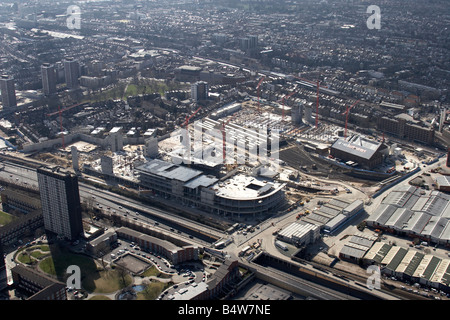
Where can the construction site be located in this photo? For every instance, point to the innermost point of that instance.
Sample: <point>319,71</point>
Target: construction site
<point>286,141</point>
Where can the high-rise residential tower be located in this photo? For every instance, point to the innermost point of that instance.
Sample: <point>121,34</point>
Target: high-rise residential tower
<point>60,199</point>
<point>8,91</point>
<point>199,90</point>
<point>48,79</point>
<point>72,72</point>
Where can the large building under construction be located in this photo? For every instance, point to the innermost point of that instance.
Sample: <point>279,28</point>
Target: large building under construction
<point>235,195</point>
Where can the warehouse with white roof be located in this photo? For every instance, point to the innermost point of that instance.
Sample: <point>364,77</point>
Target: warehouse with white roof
<point>300,233</point>
<point>410,265</point>
<point>413,212</point>
<point>334,214</point>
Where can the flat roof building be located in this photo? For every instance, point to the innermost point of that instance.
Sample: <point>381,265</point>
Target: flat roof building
<point>443,183</point>
<point>300,233</point>
<point>411,211</point>
<point>365,152</point>
<point>171,251</point>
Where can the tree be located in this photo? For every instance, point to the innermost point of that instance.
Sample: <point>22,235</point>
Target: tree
<point>122,273</point>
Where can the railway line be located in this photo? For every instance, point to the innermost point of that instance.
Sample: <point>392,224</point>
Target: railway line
<point>26,176</point>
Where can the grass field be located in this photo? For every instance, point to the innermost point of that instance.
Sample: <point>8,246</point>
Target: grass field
<point>123,91</point>
<point>153,271</point>
<point>25,258</point>
<point>5,218</point>
<point>58,263</point>
<point>93,279</point>
<point>105,281</point>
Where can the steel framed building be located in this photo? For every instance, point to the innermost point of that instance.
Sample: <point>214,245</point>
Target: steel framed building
<point>416,213</point>
<point>410,265</point>
<point>238,195</point>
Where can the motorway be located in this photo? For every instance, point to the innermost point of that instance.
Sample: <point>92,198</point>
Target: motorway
<point>121,205</point>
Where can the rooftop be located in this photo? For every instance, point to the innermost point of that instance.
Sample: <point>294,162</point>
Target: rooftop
<point>241,186</point>
<point>168,170</point>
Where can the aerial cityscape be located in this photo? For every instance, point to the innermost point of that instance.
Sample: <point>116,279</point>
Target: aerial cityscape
<point>225,150</point>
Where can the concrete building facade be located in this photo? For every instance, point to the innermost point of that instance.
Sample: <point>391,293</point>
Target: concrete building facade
<point>60,199</point>
<point>8,90</point>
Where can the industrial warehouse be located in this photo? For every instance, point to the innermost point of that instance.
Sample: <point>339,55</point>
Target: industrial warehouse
<point>410,265</point>
<point>334,214</point>
<point>413,212</point>
<point>327,219</point>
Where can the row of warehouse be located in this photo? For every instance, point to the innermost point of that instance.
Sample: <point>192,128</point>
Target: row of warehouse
<point>410,265</point>
<point>334,214</point>
<point>395,261</point>
<point>413,212</point>
<point>329,217</point>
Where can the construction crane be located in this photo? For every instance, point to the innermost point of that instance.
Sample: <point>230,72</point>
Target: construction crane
<point>258,89</point>
<point>189,118</point>
<point>63,110</point>
<point>317,105</point>
<point>317,83</point>
<point>59,112</point>
<point>347,111</point>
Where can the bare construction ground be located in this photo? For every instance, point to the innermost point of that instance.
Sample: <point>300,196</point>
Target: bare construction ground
<point>297,157</point>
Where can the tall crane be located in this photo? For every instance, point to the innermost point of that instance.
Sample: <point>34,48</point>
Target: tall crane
<point>59,112</point>
<point>63,110</point>
<point>317,83</point>
<point>258,89</point>
<point>347,111</point>
<point>190,117</point>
